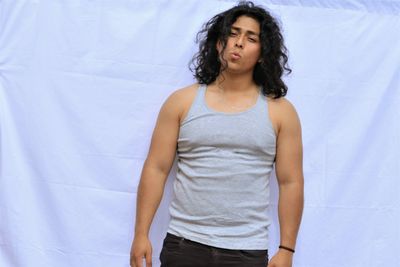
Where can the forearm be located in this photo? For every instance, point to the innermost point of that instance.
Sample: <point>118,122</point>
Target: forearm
<point>290,209</point>
<point>150,192</point>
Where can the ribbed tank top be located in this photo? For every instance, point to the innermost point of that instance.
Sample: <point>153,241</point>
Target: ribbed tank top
<point>221,190</point>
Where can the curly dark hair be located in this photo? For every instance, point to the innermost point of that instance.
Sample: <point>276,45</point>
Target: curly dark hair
<point>206,65</point>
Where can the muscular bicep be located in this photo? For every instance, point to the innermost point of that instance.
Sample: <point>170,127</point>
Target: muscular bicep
<point>289,151</point>
<point>164,139</point>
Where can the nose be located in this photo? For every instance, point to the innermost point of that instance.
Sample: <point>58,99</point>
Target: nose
<point>239,41</point>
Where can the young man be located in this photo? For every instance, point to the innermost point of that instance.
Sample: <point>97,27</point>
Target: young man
<point>228,131</point>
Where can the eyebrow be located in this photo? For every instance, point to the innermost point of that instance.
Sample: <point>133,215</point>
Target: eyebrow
<point>248,32</point>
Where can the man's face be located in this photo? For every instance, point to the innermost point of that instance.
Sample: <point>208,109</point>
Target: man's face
<point>243,48</point>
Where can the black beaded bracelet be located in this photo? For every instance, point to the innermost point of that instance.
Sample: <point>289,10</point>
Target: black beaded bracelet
<point>288,249</point>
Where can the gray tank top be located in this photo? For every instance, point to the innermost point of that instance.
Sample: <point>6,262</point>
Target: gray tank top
<point>221,190</point>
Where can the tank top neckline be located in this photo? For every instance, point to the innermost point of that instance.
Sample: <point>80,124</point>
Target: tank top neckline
<point>203,88</point>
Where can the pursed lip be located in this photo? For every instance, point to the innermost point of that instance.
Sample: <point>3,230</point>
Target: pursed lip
<point>236,54</point>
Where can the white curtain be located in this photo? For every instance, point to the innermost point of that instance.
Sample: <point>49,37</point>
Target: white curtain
<point>81,84</point>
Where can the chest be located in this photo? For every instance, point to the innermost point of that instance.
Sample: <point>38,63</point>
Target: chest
<point>253,133</point>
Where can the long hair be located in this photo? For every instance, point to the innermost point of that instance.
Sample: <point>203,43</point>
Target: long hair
<point>206,65</point>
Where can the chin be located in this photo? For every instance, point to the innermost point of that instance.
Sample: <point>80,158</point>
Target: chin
<point>237,69</point>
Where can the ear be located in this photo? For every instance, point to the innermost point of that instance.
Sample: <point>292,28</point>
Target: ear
<point>219,46</point>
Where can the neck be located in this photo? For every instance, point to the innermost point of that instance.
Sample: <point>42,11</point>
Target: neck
<point>236,82</point>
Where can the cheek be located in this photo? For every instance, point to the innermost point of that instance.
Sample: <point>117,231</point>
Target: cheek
<point>257,51</point>
<point>230,43</point>
<point>255,54</point>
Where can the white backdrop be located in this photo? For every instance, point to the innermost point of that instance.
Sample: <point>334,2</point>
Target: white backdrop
<point>81,83</point>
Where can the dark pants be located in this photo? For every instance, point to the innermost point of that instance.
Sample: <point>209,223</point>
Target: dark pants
<point>180,252</point>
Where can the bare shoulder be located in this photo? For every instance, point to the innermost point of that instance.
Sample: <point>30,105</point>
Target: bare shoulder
<point>181,100</point>
<point>282,105</point>
<point>283,113</point>
<point>185,93</point>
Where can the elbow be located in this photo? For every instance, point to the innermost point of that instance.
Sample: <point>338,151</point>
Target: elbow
<point>291,180</point>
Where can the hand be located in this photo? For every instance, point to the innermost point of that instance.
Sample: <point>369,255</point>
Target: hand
<point>141,248</point>
<point>282,258</point>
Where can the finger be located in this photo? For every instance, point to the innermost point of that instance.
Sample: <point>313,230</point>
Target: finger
<point>132,262</point>
<point>148,260</point>
<point>139,261</point>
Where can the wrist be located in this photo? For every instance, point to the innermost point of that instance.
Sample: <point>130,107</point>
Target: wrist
<point>141,229</point>
<point>286,248</point>
<point>141,234</point>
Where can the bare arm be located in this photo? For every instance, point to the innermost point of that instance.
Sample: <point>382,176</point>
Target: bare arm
<point>157,165</point>
<point>289,172</point>
<point>154,174</point>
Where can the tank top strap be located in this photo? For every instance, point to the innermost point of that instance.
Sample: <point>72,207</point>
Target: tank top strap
<point>262,103</point>
<point>197,106</point>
